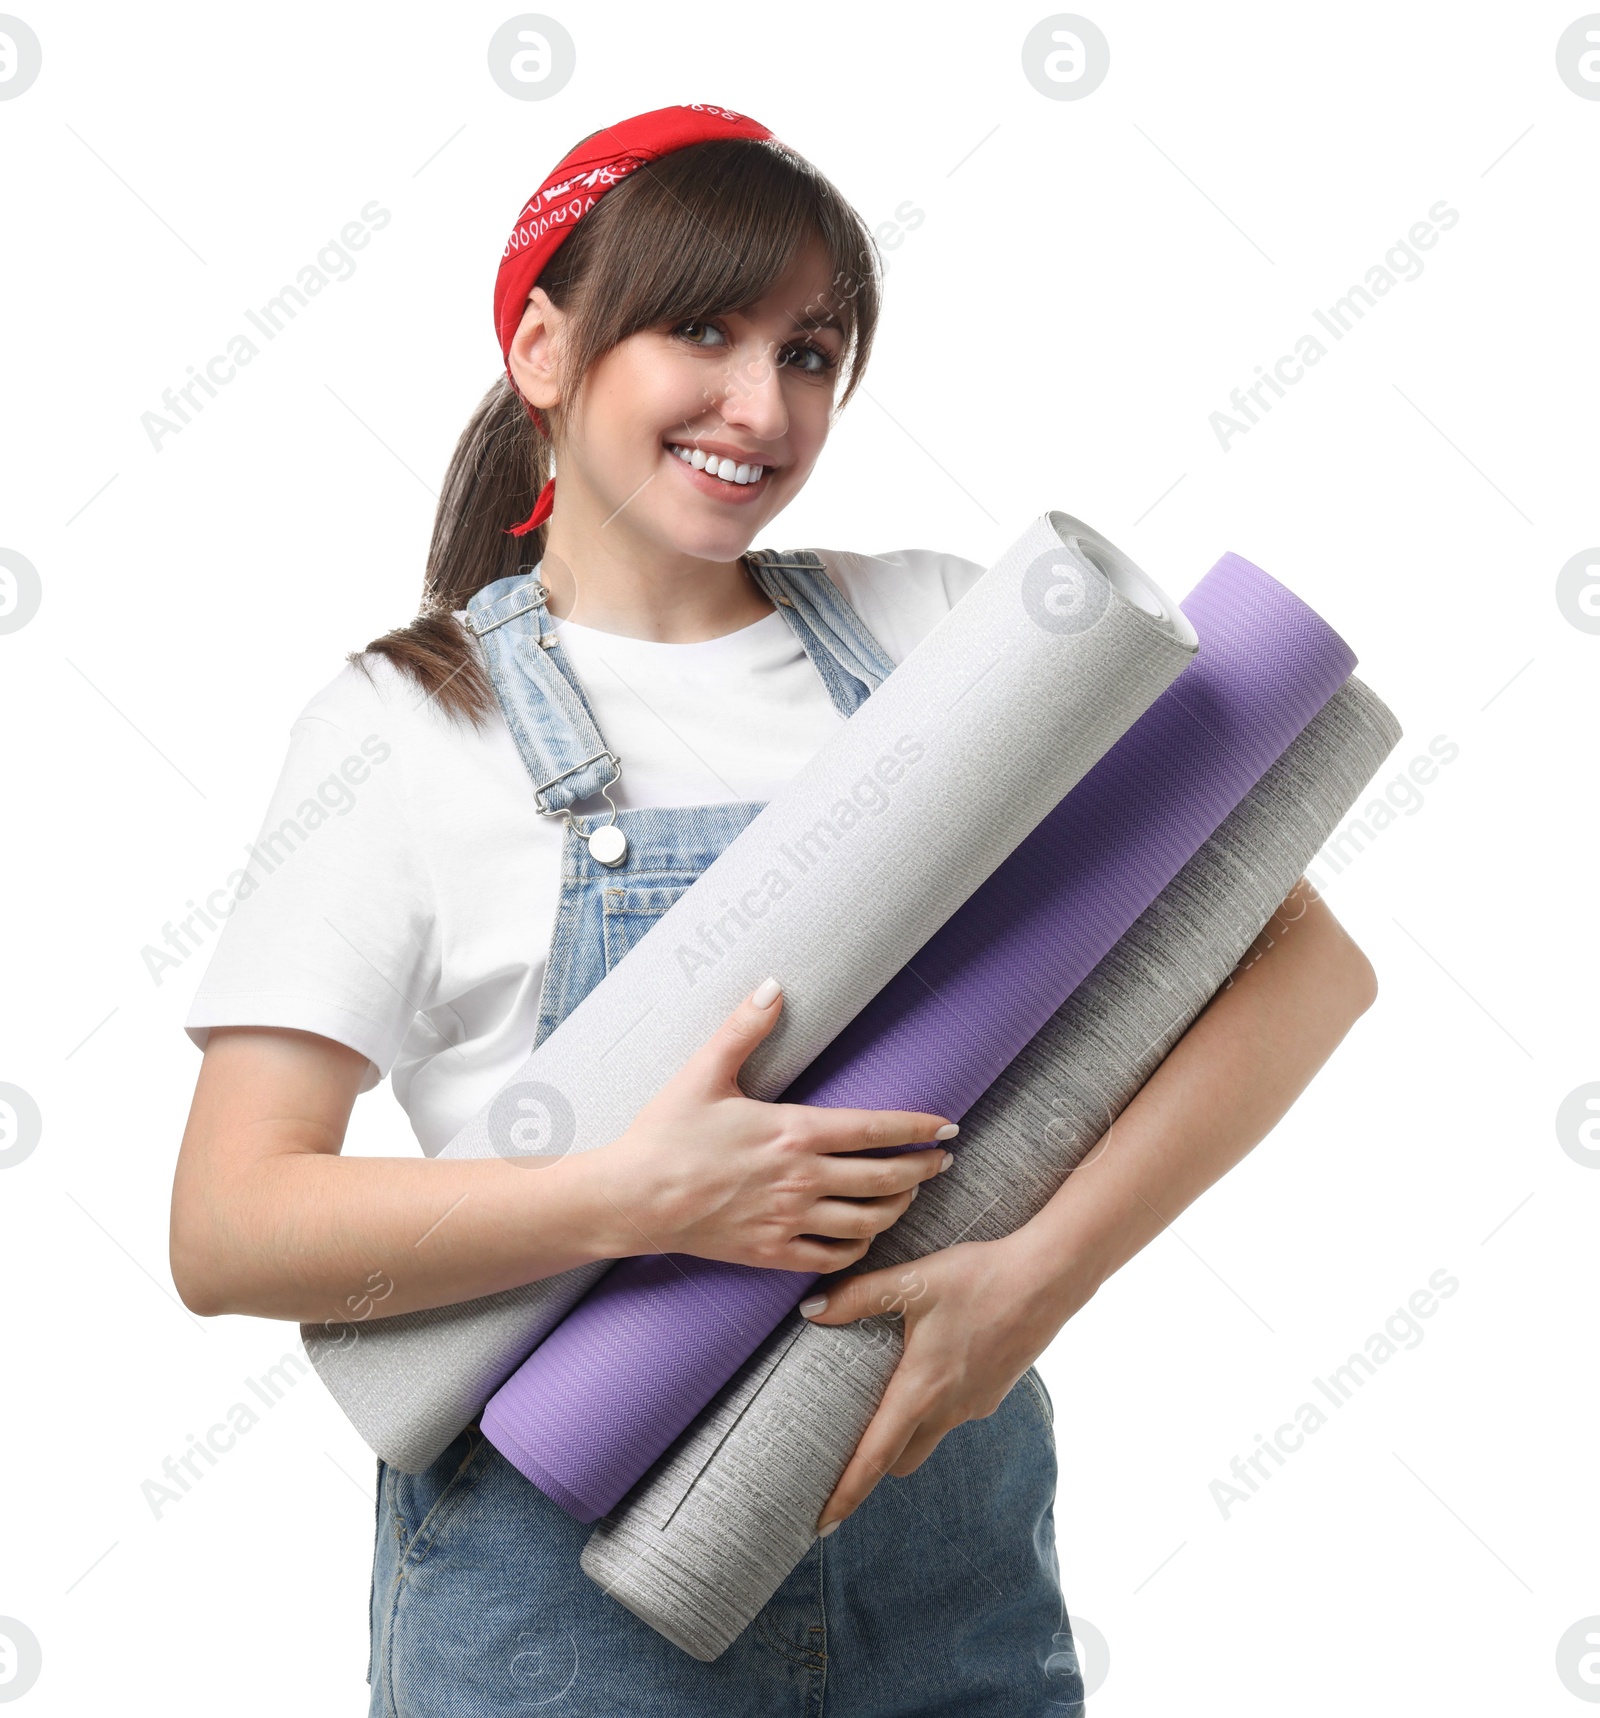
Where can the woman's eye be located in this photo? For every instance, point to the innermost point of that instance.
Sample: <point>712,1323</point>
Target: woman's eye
<point>691,329</point>
<point>815,361</point>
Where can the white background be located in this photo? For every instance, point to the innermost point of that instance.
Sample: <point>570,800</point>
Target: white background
<point>1089,280</point>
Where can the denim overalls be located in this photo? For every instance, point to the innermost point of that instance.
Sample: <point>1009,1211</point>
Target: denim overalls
<point>941,1594</point>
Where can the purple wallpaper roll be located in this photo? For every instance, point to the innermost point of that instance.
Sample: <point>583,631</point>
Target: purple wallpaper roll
<point>594,1406</point>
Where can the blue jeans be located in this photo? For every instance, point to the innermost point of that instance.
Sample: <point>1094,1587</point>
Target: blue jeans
<point>939,1598</point>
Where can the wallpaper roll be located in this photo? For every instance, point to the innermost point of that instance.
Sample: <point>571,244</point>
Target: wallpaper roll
<point>593,1406</point>
<point>1000,709</point>
<point>702,1544</point>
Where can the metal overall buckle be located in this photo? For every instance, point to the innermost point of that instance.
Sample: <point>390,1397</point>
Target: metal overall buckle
<point>607,844</point>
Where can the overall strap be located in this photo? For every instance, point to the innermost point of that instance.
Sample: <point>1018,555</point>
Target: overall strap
<point>542,701</point>
<point>850,660</point>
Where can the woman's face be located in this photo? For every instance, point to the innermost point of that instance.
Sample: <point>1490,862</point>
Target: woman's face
<point>751,388</point>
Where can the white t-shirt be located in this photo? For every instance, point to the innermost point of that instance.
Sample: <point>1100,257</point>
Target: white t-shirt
<point>404,888</point>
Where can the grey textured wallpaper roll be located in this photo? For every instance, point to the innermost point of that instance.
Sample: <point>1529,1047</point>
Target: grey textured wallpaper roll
<point>978,734</point>
<point>708,1536</point>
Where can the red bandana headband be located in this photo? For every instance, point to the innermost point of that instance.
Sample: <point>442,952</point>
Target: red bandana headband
<point>580,179</point>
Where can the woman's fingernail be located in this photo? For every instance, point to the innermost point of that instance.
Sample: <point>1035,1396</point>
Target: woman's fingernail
<point>765,993</point>
<point>948,1131</point>
<point>817,1303</point>
<point>949,1158</point>
<point>823,1532</point>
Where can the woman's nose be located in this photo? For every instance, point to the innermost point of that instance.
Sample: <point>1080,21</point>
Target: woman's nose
<point>752,393</point>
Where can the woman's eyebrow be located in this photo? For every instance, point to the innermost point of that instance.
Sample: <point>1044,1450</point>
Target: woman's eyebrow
<point>818,319</point>
<point>826,320</point>
<point>796,324</point>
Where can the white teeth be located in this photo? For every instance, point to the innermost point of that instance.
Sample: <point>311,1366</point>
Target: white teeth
<point>726,469</point>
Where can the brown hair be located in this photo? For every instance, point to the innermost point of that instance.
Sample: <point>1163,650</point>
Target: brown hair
<point>703,230</point>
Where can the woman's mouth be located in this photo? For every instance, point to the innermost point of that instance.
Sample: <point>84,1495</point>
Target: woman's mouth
<point>713,474</point>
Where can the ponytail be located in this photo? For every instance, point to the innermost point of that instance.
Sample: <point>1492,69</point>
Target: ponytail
<point>498,467</point>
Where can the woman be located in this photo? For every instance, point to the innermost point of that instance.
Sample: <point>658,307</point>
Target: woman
<point>676,308</point>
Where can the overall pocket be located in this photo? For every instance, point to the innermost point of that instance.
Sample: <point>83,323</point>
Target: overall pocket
<point>631,909</point>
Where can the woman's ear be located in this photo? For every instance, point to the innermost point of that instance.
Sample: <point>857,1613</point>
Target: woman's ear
<point>535,353</point>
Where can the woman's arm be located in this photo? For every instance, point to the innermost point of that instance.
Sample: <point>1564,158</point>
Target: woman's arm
<point>269,1219</point>
<point>978,1314</point>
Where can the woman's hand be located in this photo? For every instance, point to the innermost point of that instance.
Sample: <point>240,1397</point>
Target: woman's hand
<point>977,1316</point>
<point>704,1169</point>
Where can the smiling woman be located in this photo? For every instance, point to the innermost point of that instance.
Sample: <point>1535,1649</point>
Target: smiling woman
<point>682,308</point>
<point>721,298</point>
<point>738,402</point>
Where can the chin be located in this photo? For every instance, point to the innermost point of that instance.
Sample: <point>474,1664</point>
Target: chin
<point>698,530</point>
<point>710,542</point>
